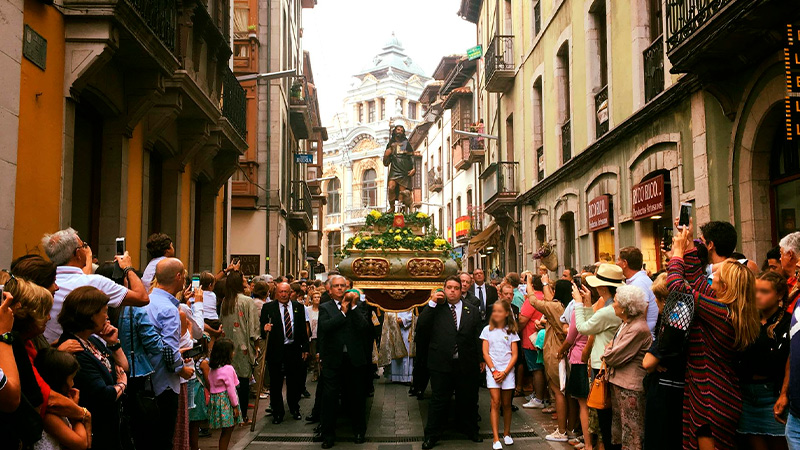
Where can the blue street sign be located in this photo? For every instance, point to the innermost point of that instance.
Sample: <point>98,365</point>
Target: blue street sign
<point>304,158</point>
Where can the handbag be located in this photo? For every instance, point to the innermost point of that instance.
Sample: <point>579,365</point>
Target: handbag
<point>599,397</point>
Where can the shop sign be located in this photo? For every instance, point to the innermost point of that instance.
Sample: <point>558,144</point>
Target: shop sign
<point>475,52</point>
<point>599,214</point>
<point>647,198</point>
<point>250,264</point>
<point>304,158</point>
<point>791,54</point>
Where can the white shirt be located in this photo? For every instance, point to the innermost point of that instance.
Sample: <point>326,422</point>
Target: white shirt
<point>150,272</point>
<point>643,282</point>
<point>283,308</point>
<point>459,306</point>
<point>69,278</point>
<point>210,305</point>
<point>480,292</point>
<point>500,344</point>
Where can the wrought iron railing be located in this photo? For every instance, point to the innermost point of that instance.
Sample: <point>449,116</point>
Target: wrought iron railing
<point>566,141</point>
<point>301,198</point>
<point>499,55</point>
<point>654,69</point>
<point>359,215</point>
<point>435,180</point>
<point>160,16</point>
<point>684,17</point>
<point>500,180</point>
<point>601,111</point>
<point>234,102</point>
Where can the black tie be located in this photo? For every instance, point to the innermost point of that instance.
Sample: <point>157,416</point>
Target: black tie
<point>287,322</point>
<point>483,305</point>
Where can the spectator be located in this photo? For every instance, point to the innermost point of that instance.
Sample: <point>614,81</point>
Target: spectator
<point>725,323</point>
<point>719,239</point>
<point>159,246</point>
<point>528,316</point>
<point>466,285</point>
<point>260,295</point>
<point>102,379</point>
<point>601,322</point>
<point>9,375</point>
<point>790,258</point>
<point>168,368</point>
<point>58,369</point>
<point>664,386</point>
<point>240,324</point>
<point>763,366</point>
<point>210,303</point>
<point>37,270</point>
<point>552,307</point>
<point>224,406</point>
<point>773,261</point>
<point>578,380</point>
<point>191,315</point>
<point>623,357</point>
<point>514,280</point>
<point>485,293</point>
<point>312,311</point>
<point>631,261</point>
<point>69,253</point>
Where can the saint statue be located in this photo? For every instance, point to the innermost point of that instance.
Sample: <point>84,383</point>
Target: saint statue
<point>399,158</point>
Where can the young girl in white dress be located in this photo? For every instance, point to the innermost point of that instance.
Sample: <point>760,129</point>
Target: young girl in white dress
<point>500,354</point>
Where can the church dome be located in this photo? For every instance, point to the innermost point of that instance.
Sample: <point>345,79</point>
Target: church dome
<point>391,59</point>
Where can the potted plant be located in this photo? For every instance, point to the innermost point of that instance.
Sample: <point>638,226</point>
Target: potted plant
<point>251,29</point>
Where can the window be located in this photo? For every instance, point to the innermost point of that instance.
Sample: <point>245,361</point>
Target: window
<point>458,206</point>
<point>564,113</point>
<point>334,246</point>
<point>371,108</point>
<point>469,202</point>
<point>333,196</point>
<point>361,112</point>
<point>598,62</point>
<point>412,110</point>
<point>537,18</point>
<point>383,108</point>
<point>654,54</point>
<point>507,14</point>
<point>509,138</point>
<point>369,188</point>
<point>538,125</point>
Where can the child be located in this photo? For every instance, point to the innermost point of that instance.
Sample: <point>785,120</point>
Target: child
<point>198,412</point>
<point>500,354</point>
<point>58,370</point>
<point>223,406</point>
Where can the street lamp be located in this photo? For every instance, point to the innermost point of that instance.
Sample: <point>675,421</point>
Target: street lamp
<point>269,75</point>
<point>471,134</point>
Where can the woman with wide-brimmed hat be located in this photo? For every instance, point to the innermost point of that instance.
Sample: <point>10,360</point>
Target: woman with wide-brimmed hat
<point>600,322</point>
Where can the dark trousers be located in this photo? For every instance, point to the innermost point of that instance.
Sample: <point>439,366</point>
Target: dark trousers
<point>319,396</point>
<point>243,392</point>
<point>292,369</point>
<point>663,419</point>
<point>420,375</point>
<point>464,384</point>
<point>350,382</point>
<point>165,428</point>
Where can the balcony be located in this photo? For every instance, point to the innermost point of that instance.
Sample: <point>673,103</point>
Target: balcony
<point>601,111</point>
<point>314,243</point>
<point>300,211</point>
<point>355,217</point>
<point>653,69</point>
<point>499,64</point>
<point>302,108</point>
<point>468,226</point>
<point>244,186</point>
<point>566,141</point>
<point>718,37</point>
<point>461,157</point>
<point>234,102</point>
<point>245,55</point>
<point>500,188</point>
<point>333,221</point>
<point>435,183</point>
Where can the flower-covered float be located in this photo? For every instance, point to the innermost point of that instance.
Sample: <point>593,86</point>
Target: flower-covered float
<point>396,259</point>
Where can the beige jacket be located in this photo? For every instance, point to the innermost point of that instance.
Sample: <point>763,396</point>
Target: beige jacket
<point>624,355</point>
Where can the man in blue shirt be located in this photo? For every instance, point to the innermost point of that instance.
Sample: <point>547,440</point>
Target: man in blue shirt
<point>168,368</point>
<point>631,261</point>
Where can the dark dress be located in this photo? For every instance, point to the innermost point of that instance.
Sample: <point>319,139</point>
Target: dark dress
<point>96,382</point>
<point>664,404</point>
<point>712,396</point>
<point>400,162</point>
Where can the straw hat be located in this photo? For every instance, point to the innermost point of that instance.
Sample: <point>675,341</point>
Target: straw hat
<point>607,275</point>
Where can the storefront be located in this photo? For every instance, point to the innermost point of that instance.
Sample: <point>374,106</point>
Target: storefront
<point>601,224</point>
<point>651,206</point>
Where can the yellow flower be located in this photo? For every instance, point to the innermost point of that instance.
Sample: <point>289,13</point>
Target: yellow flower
<point>380,241</point>
<point>357,240</point>
<point>417,238</point>
<point>397,230</point>
<point>422,215</point>
<point>391,230</point>
<point>405,231</point>
<point>439,242</point>
<point>398,238</point>
<point>366,238</point>
<point>375,214</point>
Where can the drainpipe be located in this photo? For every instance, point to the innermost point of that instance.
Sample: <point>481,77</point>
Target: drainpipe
<point>269,135</point>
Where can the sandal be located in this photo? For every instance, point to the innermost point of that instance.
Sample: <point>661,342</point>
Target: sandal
<point>549,410</point>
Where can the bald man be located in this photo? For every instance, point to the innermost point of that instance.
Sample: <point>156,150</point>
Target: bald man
<point>287,351</point>
<point>168,368</point>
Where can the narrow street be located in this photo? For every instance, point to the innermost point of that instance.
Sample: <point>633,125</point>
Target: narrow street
<point>395,421</point>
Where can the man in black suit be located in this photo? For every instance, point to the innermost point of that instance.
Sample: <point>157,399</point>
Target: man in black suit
<point>345,339</point>
<point>466,287</point>
<point>287,350</point>
<point>454,359</point>
<point>485,293</point>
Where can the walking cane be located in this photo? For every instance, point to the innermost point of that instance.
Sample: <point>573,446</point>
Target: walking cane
<point>260,378</point>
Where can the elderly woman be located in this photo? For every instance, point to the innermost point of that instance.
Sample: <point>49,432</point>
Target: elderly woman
<point>623,358</point>
<point>101,379</point>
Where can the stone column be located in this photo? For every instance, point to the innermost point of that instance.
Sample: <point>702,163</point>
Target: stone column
<point>171,199</point>
<point>10,60</point>
<point>113,187</point>
<point>700,161</point>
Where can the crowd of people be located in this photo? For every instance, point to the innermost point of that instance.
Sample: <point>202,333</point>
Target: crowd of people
<point>702,355</point>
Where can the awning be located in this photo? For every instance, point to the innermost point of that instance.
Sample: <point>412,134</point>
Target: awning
<point>482,239</point>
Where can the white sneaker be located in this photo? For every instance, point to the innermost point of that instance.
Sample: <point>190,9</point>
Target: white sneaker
<point>530,397</point>
<point>497,446</point>
<point>508,440</point>
<point>535,403</point>
<point>556,436</point>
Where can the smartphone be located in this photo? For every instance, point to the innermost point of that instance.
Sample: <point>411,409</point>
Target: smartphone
<point>578,282</point>
<point>195,351</point>
<point>2,289</point>
<point>666,239</point>
<point>120,245</point>
<point>235,261</point>
<point>686,213</point>
<point>195,281</point>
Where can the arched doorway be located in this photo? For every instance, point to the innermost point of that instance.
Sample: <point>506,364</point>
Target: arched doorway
<point>784,180</point>
<point>567,225</point>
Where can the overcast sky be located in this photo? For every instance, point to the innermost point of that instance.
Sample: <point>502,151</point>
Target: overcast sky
<point>344,35</point>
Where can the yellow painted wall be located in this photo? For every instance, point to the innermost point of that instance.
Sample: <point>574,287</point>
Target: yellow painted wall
<point>186,214</point>
<point>41,112</point>
<point>620,62</point>
<point>133,230</point>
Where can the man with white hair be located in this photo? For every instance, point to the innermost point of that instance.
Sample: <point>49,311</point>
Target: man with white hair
<point>790,258</point>
<point>70,254</point>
